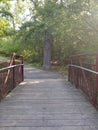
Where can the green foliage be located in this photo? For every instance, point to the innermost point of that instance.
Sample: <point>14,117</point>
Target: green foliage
<point>4,0</point>
<point>68,23</point>
<point>3,27</point>
<point>72,23</point>
<point>5,18</point>
<point>6,44</point>
<point>30,55</point>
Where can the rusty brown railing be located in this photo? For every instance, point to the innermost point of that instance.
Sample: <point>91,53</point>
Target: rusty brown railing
<point>83,73</point>
<point>11,73</point>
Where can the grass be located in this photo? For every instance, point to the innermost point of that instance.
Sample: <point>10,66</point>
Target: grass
<point>36,65</point>
<point>59,69</point>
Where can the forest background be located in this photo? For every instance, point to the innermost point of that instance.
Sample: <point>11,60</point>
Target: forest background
<point>46,32</point>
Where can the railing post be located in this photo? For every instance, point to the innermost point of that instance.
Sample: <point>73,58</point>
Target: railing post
<point>22,69</point>
<point>96,84</point>
<point>13,62</point>
<point>13,75</point>
<point>77,73</point>
<point>70,73</point>
<point>69,70</point>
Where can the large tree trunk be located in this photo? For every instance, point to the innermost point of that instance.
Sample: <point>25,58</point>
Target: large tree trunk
<point>47,50</point>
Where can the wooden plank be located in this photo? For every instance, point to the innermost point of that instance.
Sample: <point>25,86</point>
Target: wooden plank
<point>46,104</point>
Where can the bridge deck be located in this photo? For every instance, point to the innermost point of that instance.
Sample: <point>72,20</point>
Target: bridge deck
<point>45,101</point>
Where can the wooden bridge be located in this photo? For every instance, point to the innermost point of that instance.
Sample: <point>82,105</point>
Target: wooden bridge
<point>46,101</point>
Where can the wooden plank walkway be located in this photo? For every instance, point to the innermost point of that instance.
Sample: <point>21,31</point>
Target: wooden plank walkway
<point>45,101</point>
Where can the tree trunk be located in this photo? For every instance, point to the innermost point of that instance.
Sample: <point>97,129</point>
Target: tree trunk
<point>47,50</point>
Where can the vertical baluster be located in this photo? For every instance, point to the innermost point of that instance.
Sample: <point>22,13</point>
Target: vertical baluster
<point>95,93</point>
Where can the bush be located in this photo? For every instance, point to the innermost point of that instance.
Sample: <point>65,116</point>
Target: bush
<point>30,55</point>
<point>7,44</point>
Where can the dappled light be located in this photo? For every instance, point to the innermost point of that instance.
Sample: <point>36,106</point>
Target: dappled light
<point>10,95</point>
<point>33,70</point>
<point>33,82</point>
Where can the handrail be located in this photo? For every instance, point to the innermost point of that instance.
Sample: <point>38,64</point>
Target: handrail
<point>83,73</point>
<point>83,54</point>
<point>12,66</point>
<point>12,74</point>
<point>83,68</point>
<point>9,53</point>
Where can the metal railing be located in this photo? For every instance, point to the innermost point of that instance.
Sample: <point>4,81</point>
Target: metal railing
<point>11,74</point>
<point>83,73</point>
